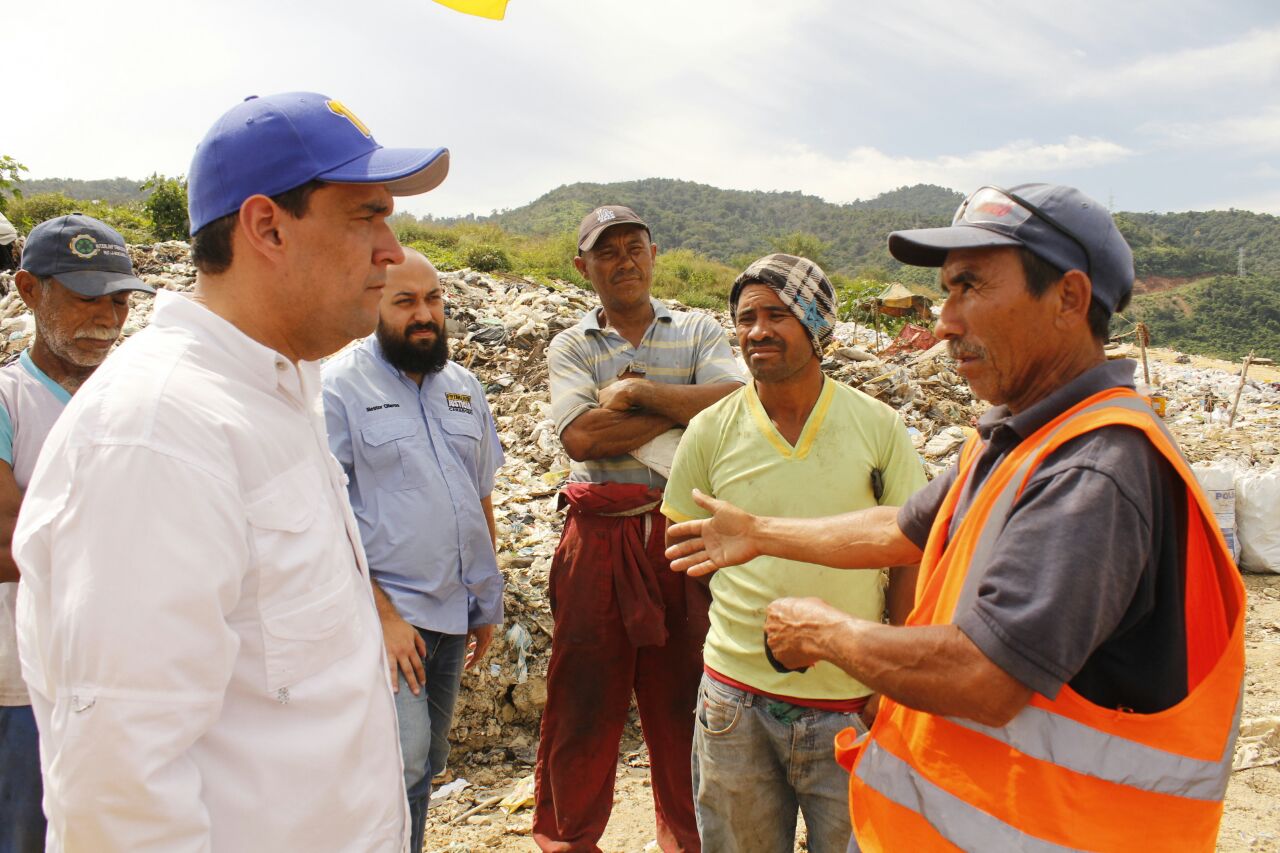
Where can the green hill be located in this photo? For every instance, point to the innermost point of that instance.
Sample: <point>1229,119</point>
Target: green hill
<point>110,190</point>
<point>730,225</point>
<point>1205,242</point>
<point>1223,316</point>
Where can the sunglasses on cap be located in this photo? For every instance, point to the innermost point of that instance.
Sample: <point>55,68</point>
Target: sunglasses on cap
<point>989,206</point>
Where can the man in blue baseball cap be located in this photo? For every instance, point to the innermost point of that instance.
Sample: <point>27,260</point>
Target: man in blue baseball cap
<point>76,277</point>
<point>211,675</point>
<point>1070,675</point>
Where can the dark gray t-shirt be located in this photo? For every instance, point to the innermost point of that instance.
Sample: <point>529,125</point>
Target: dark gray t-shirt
<point>1085,587</point>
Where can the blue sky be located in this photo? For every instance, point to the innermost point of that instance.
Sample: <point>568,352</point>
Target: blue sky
<point>1152,105</point>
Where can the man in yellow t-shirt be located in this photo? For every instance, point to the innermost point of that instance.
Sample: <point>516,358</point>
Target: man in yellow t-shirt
<point>791,443</point>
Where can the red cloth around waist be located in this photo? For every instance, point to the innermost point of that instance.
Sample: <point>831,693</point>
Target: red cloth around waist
<point>839,706</point>
<point>623,544</point>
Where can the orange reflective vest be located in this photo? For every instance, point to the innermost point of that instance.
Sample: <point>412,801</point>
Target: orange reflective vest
<point>1064,774</point>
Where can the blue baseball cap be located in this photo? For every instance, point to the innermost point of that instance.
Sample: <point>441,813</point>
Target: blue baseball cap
<point>1058,224</point>
<point>83,254</point>
<point>269,145</point>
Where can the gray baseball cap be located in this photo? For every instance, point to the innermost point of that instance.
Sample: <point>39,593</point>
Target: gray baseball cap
<point>1058,224</point>
<point>602,218</point>
<point>83,254</point>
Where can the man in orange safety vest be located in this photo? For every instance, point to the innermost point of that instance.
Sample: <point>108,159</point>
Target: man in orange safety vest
<point>1070,677</point>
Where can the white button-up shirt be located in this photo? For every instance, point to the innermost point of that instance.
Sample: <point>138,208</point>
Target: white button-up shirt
<point>195,620</point>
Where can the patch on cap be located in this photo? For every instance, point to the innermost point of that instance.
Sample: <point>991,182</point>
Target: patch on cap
<point>340,109</point>
<point>83,246</point>
<point>604,214</point>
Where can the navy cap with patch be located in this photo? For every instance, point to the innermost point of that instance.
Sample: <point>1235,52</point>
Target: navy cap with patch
<point>83,254</point>
<point>1059,224</point>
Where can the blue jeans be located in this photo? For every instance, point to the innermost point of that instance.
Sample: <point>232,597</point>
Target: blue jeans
<point>425,720</point>
<point>22,823</point>
<point>752,770</point>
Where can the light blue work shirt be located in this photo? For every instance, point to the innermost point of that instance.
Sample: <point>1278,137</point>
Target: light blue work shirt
<point>419,461</point>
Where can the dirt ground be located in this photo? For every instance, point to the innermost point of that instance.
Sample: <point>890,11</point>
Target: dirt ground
<point>1251,822</point>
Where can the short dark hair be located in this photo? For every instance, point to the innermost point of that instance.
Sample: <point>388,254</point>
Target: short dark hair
<point>1040,274</point>
<point>211,245</point>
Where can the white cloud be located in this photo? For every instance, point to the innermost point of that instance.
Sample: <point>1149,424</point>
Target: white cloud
<point>1258,131</point>
<point>1251,59</point>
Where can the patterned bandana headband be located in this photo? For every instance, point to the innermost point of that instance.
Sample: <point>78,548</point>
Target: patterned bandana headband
<point>801,285</point>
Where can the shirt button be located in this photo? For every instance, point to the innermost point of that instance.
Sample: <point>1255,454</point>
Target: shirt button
<point>280,365</point>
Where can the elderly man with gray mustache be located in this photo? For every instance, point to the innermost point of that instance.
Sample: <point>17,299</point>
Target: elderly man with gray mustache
<point>76,277</point>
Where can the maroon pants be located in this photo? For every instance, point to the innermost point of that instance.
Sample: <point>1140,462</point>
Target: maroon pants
<point>594,670</point>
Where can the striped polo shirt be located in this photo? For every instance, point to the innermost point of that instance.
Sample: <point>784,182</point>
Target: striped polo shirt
<point>685,348</point>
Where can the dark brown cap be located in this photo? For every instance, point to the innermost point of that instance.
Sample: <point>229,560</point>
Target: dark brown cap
<point>606,216</point>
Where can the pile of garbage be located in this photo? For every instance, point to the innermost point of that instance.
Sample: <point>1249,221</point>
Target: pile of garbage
<point>500,326</point>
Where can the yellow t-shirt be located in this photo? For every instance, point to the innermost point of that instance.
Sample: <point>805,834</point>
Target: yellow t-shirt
<point>732,451</point>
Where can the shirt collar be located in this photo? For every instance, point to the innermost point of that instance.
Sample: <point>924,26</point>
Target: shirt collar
<point>260,364</point>
<point>32,368</point>
<point>1109,374</point>
<point>591,320</point>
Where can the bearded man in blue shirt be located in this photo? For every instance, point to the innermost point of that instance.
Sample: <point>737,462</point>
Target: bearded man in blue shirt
<point>416,438</point>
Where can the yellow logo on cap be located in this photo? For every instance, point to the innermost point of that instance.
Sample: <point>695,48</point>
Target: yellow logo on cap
<point>340,109</point>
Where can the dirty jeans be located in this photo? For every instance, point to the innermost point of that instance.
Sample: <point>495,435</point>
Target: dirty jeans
<point>593,672</point>
<point>425,720</point>
<point>22,824</point>
<point>752,770</point>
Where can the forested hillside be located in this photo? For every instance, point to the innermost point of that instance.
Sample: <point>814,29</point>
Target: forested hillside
<point>110,190</point>
<point>1203,242</point>
<point>730,225</point>
<point>1224,316</point>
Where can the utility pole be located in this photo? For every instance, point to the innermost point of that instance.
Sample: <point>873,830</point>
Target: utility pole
<point>1240,263</point>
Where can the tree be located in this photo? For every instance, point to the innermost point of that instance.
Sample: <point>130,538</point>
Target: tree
<point>10,177</point>
<point>803,245</point>
<point>166,207</point>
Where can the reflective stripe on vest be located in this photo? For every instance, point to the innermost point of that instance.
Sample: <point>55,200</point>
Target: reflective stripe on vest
<point>963,825</point>
<point>1064,773</point>
<point>1049,737</point>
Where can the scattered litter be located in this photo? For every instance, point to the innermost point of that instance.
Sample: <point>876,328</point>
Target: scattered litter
<point>1258,744</point>
<point>639,758</point>
<point>521,797</point>
<point>519,639</point>
<point>444,792</point>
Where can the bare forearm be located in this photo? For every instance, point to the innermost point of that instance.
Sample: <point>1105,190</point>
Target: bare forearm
<point>8,567</point>
<point>934,668</point>
<point>386,609</point>
<point>601,433</point>
<point>900,597</point>
<point>486,504</point>
<point>680,402</point>
<point>869,538</point>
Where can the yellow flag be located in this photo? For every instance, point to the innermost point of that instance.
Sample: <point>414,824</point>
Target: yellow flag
<point>495,9</point>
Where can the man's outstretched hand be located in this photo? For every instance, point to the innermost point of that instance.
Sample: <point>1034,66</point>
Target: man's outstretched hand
<point>701,546</point>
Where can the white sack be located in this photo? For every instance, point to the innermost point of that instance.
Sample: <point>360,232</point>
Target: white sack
<point>1218,479</point>
<point>1258,520</point>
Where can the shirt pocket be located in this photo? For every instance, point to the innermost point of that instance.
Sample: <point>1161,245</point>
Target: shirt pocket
<point>396,451</point>
<point>307,634</point>
<point>306,572</point>
<point>463,434</point>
